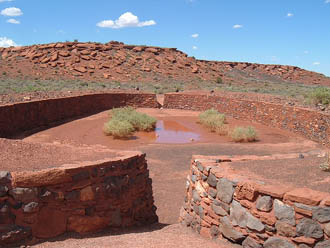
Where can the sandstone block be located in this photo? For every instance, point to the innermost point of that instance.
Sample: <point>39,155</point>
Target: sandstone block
<point>24,194</point>
<point>85,224</point>
<point>87,194</point>
<point>250,243</point>
<point>323,244</point>
<point>321,215</point>
<point>50,223</point>
<point>5,177</point>
<point>304,196</point>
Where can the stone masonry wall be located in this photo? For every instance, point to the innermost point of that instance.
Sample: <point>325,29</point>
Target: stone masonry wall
<point>19,117</point>
<point>311,124</point>
<point>220,204</point>
<point>81,198</point>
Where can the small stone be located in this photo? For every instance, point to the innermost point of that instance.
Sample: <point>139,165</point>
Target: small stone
<point>225,190</point>
<point>270,228</point>
<point>212,192</point>
<point>214,231</point>
<point>238,215</point>
<point>228,231</point>
<point>23,194</point>
<point>3,190</point>
<point>193,178</point>
<point>116,219</point>
<point>264,203</point>
<point>254,224</point>
<point>225,206</point>
<point>87,194</point>
<point>196,196</point>
<point>323,244</point>
<point>31,207</point>
<point>327,229</point>
<point>284,229</point>
<point>250,243</point>
<point>212,180</point>
<point>274,242</point>
<point>284,212</point>
<point>309,228</point>
<point>301,156</point>
<point>218,210</point>
<point>321,215</point>
<point>200,166</point>
<point>5,177</point>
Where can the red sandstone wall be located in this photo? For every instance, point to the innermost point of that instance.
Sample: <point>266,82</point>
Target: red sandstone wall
<point>20,117</point>
<point>311,124</point>
<point>75,198</point>
<point>222,204</point>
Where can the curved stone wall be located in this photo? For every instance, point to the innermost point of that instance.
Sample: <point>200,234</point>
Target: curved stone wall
<point>84,197</point>
<point>223,204</point>
<point>19,117</point>
<point>308,123</point>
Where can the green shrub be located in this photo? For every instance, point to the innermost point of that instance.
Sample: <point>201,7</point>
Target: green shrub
<point>118,128</point>
<point>219,80</point>
<point>244,134</point>
<point>325,166</point>
<point>214,121</point>
<point>125,121</point>
<point>320,95</point>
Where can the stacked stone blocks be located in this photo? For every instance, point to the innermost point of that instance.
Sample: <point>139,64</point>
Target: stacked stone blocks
<point>82,198</point>
<point>251,213</point>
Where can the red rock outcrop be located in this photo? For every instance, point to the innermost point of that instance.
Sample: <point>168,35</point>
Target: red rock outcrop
<point>134,63</point>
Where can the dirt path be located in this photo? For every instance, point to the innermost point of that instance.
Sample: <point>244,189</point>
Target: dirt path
<point>158,236</point>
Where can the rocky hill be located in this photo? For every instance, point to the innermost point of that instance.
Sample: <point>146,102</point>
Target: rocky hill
<point>115,61</point>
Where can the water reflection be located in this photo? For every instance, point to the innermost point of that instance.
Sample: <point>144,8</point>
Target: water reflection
<point>168,131</point>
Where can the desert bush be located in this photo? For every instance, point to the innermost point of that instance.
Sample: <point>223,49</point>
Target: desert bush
<point>325,166</point>
<point>219,80</point>
<point>214,121</point>
<point>118,128</point>
<point>244,134</point>
<point>125,121</point>
<point>320,95</point>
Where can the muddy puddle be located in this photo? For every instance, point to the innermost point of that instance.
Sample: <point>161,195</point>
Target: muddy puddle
<point>169,131</point>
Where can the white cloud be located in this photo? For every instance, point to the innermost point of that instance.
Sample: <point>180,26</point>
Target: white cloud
<point>12,11</point>
<point>195,47</point>
<point>1,1</point>
<point>316,63</point>
<point>13,21</point>
<point>195,35</point>
<point>289,15</point>
<point>125,20</point>
<point>307,52</point>
<point>238,26</point>
<point>5,42</point>
<point>327,1</point>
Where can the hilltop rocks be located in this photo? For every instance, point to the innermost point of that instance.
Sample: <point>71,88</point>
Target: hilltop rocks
<point>135,61</point>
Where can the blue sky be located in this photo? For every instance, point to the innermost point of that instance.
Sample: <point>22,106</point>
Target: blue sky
<point>291,32</point>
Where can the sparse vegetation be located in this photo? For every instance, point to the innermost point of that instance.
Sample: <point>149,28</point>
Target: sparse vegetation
<point>125,121</point>
<point>219,80</point>
<point>325,166</point>
<point>214,121</point>
<point>243,134</point>
<point>320,95</point>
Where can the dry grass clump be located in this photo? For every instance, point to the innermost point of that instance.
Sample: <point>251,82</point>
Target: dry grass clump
<point>125,121</point>
<point>243,134</point>
<point>320,95</point>
<point>214,121</point>
<point>325,166</point>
